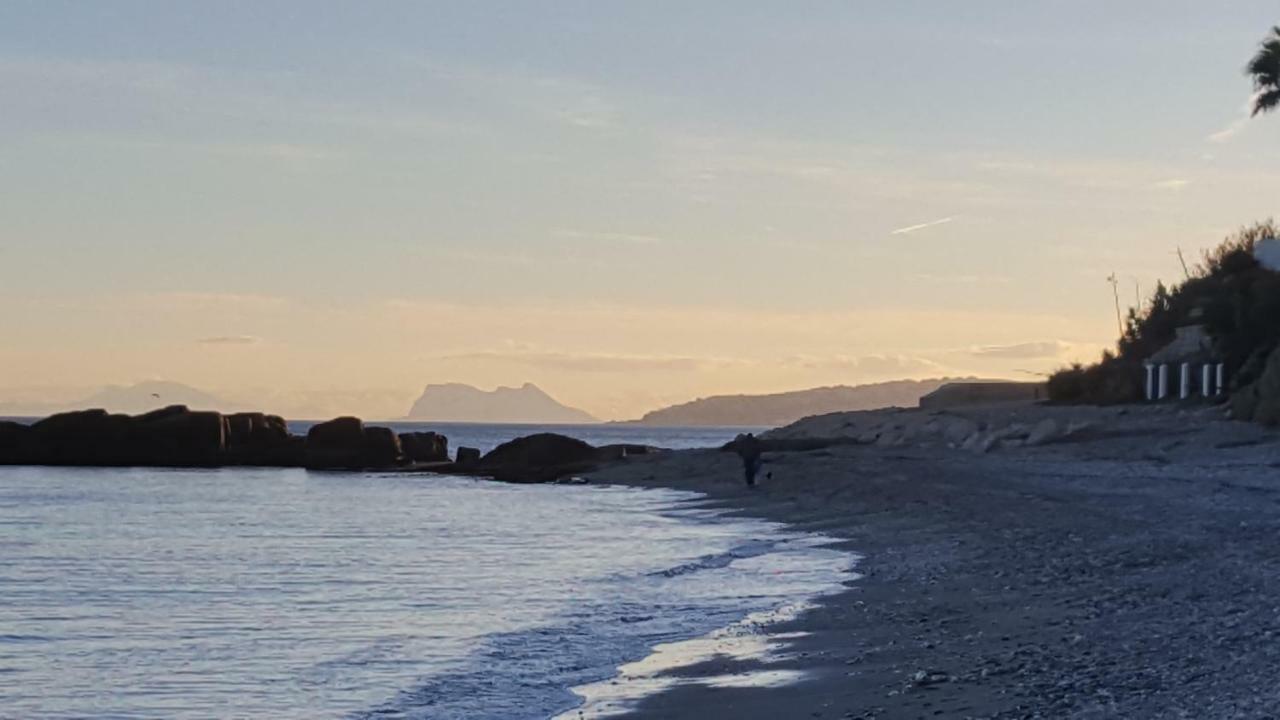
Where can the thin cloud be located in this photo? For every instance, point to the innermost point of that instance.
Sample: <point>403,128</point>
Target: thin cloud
<point>882,365</point>
<point>1235,127</point>
<point>228,340</point>
<point>1024,351</point>
<point>1171,184</point>
<point>590,362</point>
<point>628,238</point>
<point>1228,132</point>
<point>921,226</point>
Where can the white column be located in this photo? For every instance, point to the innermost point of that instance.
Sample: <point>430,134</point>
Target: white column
<point>1149,388</point>
<point>1206,379</point>
<point>1184,381</point>
<point>1162,385</point>
<point>1221,385</point>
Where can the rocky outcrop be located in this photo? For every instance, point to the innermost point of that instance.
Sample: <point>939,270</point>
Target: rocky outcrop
<point>262,440</point>
<point>467,457</point>
<point>538,458</point>
<point>13,436</point>
<point>346,444</point>
<point>170,436</point>
<point>424,447</point>
<point>976,429</point>
<point>179,437</point>
<point>176,436</point>
<point>1259,401</point>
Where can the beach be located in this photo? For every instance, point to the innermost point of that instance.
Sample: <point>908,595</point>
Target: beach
<point>1128,568</point>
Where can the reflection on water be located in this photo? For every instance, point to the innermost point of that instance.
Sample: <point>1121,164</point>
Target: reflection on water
<point>241,592</point>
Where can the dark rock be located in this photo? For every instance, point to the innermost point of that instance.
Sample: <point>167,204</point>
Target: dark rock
<point>381,448</point>
<point>345,443</point>
<point>81,437</point>
<point>343,432</point>
<point>13,441</point>
<point>176,436</point>
<point>539,458</point>
<point>425,447</point>
<point>262,440</point>
<point>467,456</point>
<point>1259,401</point>
<point>170,436</point>
<point>255,429</point>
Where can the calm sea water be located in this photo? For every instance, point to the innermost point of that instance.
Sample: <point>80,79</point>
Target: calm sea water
<point>144,593</point>
<point>488,436</point>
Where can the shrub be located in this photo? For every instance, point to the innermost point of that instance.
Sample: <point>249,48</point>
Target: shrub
<point>1238,301</point>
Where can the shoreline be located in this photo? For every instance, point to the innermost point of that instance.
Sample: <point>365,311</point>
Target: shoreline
<point>1129,573</point>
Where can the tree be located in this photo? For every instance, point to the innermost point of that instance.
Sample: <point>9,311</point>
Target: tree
<point>1264,68</point>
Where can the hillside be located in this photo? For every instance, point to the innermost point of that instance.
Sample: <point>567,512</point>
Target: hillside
<point>455,402</point>
<point>783,408</point>
<point>133,399</point>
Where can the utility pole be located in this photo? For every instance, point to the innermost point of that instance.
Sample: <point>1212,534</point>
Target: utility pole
<point>1115,291</point>
<point>1183,260</point>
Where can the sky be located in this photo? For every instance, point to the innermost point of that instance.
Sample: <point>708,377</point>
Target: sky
<point>320,207</point>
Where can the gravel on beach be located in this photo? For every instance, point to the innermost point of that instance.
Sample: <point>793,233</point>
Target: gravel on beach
<point>1123,574</point>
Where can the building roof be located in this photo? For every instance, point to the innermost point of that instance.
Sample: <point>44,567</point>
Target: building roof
<point>1191,344</point>
<point>969,394</point>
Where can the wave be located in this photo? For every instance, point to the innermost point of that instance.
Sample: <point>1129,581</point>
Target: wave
<point>715,561</point>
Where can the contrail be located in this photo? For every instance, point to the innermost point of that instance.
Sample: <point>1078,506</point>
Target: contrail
<point>921,226</point>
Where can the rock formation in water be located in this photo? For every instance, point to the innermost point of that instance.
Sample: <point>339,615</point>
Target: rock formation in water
<point>347,443</point>
<point>424,447</point>
<point>455,402</point>
<point>176,436</point>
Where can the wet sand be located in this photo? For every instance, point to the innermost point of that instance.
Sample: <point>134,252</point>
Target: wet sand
<point>1133,571</point>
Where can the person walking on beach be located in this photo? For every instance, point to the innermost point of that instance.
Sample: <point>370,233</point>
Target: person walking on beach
<point>748,448</point>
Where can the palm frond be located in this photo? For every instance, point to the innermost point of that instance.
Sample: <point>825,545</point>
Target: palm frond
<point>1266,101</point>
<point>1264,68</point>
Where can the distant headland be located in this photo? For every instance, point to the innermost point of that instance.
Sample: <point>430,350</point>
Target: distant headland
<point>456,402</point>
<point>787,407</point>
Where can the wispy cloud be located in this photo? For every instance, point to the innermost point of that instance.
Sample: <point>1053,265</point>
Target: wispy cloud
<point>913,228</point>
<point>1228,132</point>
<point>869,366</point>
<point>617,237</point>
<point>1171,184</point>
<point>228,340</point>
<point>588,362</point>
<point>1235,127</point>
<point>1024,351</point>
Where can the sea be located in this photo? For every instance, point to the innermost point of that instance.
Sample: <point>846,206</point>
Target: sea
<point>279,593</point>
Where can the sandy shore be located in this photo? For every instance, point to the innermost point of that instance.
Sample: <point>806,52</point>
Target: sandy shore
<point>1128,570</point>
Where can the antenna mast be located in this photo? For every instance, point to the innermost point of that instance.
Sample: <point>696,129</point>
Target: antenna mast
<point>1115,291</point>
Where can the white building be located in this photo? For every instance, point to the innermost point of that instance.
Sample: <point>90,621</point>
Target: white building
<point>1185,367</point>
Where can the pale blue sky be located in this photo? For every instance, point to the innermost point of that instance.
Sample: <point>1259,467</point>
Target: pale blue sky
<point>298,173</point>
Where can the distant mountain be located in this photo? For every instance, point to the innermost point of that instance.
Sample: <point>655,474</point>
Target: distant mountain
<point>132,399</point>
<point>785,408</point>
<point>455,402</point>
<point>150,395</point>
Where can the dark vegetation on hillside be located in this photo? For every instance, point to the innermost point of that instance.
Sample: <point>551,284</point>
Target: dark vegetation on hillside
<point>1237,300</point>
